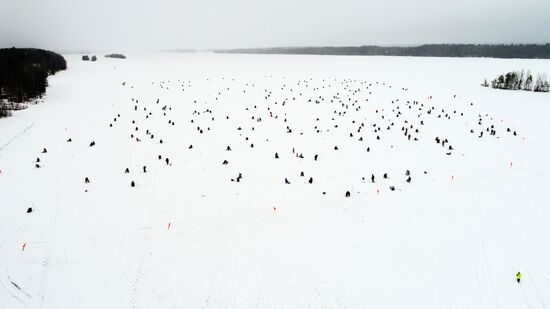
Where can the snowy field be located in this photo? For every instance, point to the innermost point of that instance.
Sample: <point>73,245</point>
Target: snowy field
<point>189,235</point>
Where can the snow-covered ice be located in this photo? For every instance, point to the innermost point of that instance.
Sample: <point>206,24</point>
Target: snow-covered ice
<point>187,236</point>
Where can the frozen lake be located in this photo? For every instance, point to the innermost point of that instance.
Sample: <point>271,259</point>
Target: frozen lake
<point>188,234</point>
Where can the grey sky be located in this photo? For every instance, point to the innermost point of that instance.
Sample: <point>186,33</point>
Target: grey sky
<point>127,25</point>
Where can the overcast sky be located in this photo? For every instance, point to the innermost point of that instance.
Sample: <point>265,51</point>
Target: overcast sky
<point>129,25</point>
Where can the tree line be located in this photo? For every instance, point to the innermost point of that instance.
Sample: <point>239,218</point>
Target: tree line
<point>24,72</point>
<point>525,51</point>
<point>520,80</point>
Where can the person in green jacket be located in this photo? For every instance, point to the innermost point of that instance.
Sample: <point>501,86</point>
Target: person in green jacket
<point>518,276</point>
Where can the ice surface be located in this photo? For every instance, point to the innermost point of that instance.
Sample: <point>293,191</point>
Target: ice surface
<point>188,237</point>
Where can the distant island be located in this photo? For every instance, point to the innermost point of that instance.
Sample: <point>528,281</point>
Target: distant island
<point>523,51</point>
<point>117,56</point>
<point>24,75</point>
<point>87,58</point>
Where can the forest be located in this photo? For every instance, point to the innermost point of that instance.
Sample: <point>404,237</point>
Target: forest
<point>523,51</point>
<point>24,73</point>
